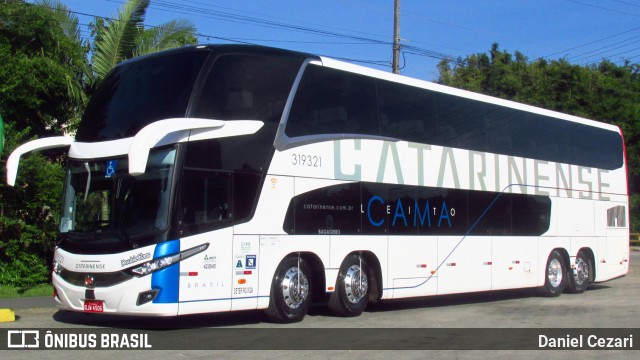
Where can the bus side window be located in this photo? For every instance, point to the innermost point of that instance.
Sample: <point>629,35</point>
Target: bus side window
<point>245,87</point>
<point>407,113</point>
<point>330,101</point>
<point>205,197</point>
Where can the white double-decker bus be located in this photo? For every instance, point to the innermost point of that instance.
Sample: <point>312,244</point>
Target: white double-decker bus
<point>221,178</point>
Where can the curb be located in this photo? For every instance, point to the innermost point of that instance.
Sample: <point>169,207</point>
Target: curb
<point>7,315</point>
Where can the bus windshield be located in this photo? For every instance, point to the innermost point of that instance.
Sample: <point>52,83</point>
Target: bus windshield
<point>102,198</point>
<point>138,93</point>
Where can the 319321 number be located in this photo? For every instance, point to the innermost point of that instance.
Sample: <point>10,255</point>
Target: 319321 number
<point>306,160</point>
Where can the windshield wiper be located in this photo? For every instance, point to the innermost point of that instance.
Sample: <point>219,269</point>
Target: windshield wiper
<point>86,190</point>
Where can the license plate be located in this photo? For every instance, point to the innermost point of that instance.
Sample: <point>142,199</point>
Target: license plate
<point>95,306</point>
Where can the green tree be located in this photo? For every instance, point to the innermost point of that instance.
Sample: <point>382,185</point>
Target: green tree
<point>41,93</point>
<point>605,92</point>
<point>29,214</point>
<point>42,72</point>
<point>45,82</point>
<point>125,37</point>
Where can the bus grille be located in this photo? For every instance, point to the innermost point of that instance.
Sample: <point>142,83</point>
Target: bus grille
<point>100,279</point>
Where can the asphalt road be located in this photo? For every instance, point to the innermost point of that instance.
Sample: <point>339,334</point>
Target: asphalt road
<point>613,304</point>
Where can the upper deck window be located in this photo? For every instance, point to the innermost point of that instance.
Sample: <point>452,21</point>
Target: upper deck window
<point>140,92</point>
<point>334,102</point>
<point>247,87</point>
<point>238,86</point>
<point>330,101</point>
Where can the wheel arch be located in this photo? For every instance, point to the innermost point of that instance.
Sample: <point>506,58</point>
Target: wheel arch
<point>316,275</point>
<point>591,256</point>
<point>376,279</point>
<point>565,256</point>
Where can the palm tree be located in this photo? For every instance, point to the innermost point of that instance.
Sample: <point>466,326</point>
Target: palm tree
<point>125,37</point>
<point>77,65</point>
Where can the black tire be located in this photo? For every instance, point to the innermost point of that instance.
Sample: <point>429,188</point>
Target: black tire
<point>579,277</point>
<point>351,294</point>
<point>555,277</point>
<point>290,291</point>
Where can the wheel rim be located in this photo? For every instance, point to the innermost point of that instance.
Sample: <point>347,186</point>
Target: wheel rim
<point>295,288</point>
<point>581,271</point>
<point>554,272</point>
<point>356,284</point>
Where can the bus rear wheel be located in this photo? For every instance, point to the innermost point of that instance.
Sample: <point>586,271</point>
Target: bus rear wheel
<point>580,275</point>
<point>290,291</point>
<point>554,279</point>
<point>351,294</point>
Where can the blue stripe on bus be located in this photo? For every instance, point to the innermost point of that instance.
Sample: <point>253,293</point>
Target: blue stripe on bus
<point>166,280</point>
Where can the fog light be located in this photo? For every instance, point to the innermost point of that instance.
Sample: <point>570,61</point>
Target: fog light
<point>146,296</point>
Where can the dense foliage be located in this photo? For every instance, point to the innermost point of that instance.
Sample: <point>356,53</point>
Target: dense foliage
<point>46,77</point>
<point>605,92</point>
<point>41,78</point>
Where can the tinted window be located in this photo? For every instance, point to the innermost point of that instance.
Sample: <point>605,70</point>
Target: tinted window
<point>426,116</point>
<point>242,87</point>
<point>140,92</point>
<point>330,101</point>
<point>406,113</point>
<point>332,210</point>
<point>388,209</point>
<point>221,179</point>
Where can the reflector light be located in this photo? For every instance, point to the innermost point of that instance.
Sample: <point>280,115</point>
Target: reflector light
<point>242,281</point>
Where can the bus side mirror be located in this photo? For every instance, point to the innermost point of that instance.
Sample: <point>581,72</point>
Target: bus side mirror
<point>166,131</point>
<point>171,131</point>
<point>36,145</point>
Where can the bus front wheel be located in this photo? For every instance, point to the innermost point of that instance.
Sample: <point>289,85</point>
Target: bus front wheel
<point>351,294</point>
<point>290,291</point>
<point>554,279</point>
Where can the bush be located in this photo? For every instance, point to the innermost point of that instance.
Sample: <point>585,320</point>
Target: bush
<point>29,214</point>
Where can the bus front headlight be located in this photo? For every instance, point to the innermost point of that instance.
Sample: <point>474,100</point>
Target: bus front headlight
<point>166,261</point>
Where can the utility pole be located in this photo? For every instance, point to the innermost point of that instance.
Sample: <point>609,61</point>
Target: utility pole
<point>396,38</point>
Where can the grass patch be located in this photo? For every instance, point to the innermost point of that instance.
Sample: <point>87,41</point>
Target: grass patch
<point>14,292</point>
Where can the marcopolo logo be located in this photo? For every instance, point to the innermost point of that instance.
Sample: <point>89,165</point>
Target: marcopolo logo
<point>134,259</point>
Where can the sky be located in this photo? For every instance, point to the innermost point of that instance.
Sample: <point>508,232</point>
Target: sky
<point>581,31</point>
